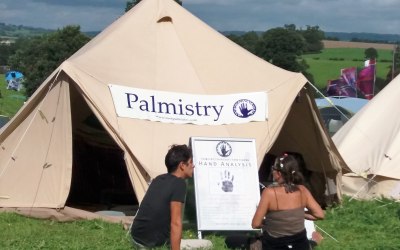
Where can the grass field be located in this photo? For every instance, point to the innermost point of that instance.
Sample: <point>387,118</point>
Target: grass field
<point>353,225</point>
<point>327,65</point>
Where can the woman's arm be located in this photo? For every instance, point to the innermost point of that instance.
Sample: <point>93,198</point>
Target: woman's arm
<point>261,210</point>
<point>314,212</point>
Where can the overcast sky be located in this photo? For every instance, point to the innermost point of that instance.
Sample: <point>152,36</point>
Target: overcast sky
<point>373,16</point>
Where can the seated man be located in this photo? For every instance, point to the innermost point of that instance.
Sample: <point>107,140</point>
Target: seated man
<point>158,221</point>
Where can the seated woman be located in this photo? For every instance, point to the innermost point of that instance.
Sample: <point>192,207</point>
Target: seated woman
<point>282,204</point>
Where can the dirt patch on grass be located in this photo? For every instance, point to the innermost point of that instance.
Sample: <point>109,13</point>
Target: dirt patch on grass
<point>344,44</point>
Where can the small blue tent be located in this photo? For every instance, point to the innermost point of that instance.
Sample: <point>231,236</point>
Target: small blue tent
<point>13,75</point>
<point>14,80</point>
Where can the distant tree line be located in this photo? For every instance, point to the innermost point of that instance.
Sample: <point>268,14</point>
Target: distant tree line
<point>364,40</point>
<point>283,46</point>
<point>363,37</point>
<point>332,38</point>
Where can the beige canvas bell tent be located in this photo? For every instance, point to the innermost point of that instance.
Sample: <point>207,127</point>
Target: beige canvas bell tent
<point>68,147</point>
<point>370,145</point>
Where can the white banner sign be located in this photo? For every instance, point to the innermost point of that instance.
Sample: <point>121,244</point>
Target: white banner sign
<point>187,108</point>
<point>226,182</point>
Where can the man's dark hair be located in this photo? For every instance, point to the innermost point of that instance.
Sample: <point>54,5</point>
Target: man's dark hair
<point>175,155</point>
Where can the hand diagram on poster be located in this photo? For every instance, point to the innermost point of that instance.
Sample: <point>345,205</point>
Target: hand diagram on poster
<point>227,181</point>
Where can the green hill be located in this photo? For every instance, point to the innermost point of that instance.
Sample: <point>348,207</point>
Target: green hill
<point>360,36</point>
<point>12,32</point>
<point>15,31</point>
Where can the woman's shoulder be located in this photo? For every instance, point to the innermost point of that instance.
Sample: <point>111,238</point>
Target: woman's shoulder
<point>302,187</point>
<point>273,188</point>
<point>270,188</point>
<point>304,190</point>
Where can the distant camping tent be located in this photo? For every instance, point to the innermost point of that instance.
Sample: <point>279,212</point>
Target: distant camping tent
<point>370,144</point>
<point>68,147</point>
<point>14,80</point>
<point>337,110</point>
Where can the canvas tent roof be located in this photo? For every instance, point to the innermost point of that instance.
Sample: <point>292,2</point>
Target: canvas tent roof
<point>369,143</point>
<point>157,45</point>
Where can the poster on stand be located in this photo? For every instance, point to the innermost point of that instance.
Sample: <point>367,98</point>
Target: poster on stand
<point>226,182</point>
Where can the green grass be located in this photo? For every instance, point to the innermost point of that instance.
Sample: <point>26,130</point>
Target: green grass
<point>11,101</point>
<point>353,225</point>
<point>362,225</point>
<point>18,232</point>
<point>327,64</point>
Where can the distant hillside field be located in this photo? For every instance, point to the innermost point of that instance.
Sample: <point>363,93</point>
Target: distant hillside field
<point>344,44</point>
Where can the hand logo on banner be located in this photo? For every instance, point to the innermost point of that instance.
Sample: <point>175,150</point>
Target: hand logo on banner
<point>241,108</point>
<point>227,181</point>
